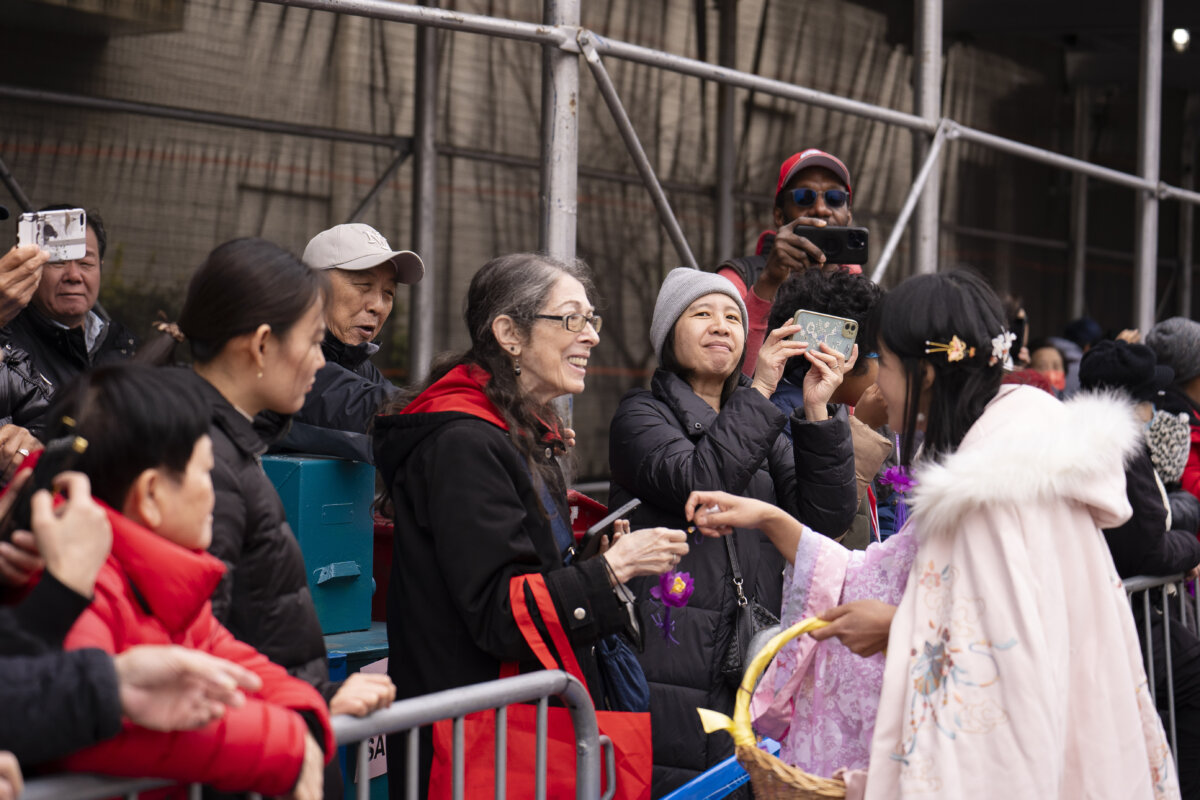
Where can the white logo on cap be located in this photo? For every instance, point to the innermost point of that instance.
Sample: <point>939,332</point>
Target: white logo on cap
<point>375,238</point>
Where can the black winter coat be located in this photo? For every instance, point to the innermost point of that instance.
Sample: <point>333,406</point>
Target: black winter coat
<point>24,393</point>
<point>348,392</point>
<point>59,355</point>
<point>1144,545</point>
<point>263,598</point>
<point>468,520</point>
<point>54,702</point>
<point>666,442</point>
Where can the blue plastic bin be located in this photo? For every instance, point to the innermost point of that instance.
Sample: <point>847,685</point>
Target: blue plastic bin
<point>328,505</point>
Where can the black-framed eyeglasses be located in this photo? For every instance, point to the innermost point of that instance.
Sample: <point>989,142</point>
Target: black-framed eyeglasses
<point>574,322</point>
<point>834,198</point>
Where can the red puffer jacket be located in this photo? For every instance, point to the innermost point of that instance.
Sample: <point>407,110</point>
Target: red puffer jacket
<point>152,591</point>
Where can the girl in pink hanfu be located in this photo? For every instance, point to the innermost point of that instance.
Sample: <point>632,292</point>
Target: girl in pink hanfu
<point>1012,665</point>
<point>818,699</point>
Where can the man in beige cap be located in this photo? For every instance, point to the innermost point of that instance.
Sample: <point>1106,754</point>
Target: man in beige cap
<point>348,391</point>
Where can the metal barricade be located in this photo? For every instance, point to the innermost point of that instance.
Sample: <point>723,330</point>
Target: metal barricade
<point>1188,610</point>
<point>410,715</point>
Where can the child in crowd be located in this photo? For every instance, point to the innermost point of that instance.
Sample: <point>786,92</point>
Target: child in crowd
<point>1011,644</point>
<point>149,458</point>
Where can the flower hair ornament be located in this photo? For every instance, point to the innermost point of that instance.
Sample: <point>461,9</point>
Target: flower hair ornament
<point>1002,350</point>
<point>956,349</point>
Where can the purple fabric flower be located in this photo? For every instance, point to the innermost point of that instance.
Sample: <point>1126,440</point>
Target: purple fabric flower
<point>898,478</point>
<point>673,591</point>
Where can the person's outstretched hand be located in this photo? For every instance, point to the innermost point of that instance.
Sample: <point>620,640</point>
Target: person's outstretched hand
<point>362,693</point>
<point>718,513</point>
<point>11,782</point>
<point>169,688</point>
<point>862,625</point>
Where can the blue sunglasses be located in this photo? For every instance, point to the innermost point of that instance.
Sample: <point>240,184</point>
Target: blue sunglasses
<point>834,198</point>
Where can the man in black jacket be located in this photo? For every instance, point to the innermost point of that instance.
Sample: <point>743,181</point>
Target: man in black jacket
<point>349,390</point>
<point>63,329</point>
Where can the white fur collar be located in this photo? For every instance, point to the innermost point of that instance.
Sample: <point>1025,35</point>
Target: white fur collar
<point>1028,447</point>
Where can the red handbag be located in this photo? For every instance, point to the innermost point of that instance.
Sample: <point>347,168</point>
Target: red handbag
<point>630,732</point>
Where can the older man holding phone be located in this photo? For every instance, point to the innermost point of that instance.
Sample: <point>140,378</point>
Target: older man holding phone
<point>813,190</point>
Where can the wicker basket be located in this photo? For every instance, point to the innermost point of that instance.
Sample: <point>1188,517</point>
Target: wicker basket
<point>771,778</point>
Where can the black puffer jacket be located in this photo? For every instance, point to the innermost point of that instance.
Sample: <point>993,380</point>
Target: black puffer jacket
<point>264,598</point>
<point>666,442</point>
<point>54,702</point>
<point>24,393</point>
<point>1144,545</point>
<point>60,354</point>
<point>468,520</point>
<point>347,394</point>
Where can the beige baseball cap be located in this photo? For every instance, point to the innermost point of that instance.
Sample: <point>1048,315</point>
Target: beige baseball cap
<point>354,245</point>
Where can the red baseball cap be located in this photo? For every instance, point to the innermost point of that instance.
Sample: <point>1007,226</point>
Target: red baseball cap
<point>812,157</point>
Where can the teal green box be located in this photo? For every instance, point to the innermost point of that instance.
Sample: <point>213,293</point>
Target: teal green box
<point>328,505</point>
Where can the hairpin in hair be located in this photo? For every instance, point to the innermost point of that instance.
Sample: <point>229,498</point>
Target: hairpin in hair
<point>955,350</point>
<point>1002,349</point>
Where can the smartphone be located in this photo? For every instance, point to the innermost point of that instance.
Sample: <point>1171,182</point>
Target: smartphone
<point>59,456</point>
<point>840,245</point>
<point>838,333</point>
<point>589,544</point>
<point>63,233</point>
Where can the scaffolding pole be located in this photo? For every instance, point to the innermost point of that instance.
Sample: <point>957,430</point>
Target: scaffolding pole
<point>928,78</point>
<point>727,30</point>
<point>1079,204</point>
<point>202,117</point>
<point>384,177</point>
<point>636,151</point>
<point>560,137</point>
<point>1191,117</point>
<point>423,296</point>
<point>928,169</point>
<point>1149,132</point>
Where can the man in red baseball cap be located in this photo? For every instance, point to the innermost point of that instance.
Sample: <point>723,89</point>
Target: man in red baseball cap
<point>813,190</point>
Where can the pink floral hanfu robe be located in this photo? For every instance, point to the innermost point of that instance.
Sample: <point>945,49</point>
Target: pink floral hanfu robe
<point>1013,668</point>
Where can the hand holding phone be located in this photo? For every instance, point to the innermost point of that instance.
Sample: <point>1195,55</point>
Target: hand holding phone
<point>838,245</point>
<point>592,539</point>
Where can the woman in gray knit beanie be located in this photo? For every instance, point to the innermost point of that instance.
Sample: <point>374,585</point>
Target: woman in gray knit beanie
<point>702,424</point>
<point>1176,342</point>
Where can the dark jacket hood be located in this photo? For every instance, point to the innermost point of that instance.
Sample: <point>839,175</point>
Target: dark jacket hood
<point>456,395</point>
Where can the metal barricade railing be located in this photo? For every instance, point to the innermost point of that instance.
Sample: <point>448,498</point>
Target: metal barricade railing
<point>1144,609</point>
<point>410,715</point>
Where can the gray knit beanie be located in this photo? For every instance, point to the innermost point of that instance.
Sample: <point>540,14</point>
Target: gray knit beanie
<point>1176,342</point>
<point>683,287</point>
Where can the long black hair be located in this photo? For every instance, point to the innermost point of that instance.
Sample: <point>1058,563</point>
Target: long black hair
<point>242,284</point>
<point>936,308</point>
<point>516,285</point>
<point>134,418</point>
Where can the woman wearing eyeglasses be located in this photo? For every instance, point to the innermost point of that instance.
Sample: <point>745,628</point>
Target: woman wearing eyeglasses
<point>813,190</point>
<point>472,467</point>
<point>702,423</point>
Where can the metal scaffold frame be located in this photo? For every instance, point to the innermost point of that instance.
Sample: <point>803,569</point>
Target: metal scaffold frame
<point>564,40</point>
